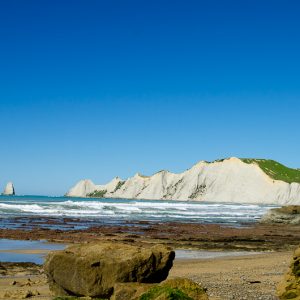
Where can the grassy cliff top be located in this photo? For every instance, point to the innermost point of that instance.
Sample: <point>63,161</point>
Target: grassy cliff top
<point>275,170</point>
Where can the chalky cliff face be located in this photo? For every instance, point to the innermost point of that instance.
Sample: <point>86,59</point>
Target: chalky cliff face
<point>230,180</point>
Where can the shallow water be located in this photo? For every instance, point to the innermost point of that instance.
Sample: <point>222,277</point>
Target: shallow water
<point>6,246</point>
<point>22,257</point>
<point>43,247</point>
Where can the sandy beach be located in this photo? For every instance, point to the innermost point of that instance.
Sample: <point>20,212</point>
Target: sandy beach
<point>249,277</point>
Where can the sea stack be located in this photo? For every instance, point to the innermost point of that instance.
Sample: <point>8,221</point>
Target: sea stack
<point>9,189</point>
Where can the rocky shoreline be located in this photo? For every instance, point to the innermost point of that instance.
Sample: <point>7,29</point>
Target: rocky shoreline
<point>249,237</point>
<point>283,215</point>
<point>251,277</point>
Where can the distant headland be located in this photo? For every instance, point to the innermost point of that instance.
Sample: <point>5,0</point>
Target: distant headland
<point>227,180</point>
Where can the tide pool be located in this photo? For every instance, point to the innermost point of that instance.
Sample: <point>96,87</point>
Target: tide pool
<point>35,251</point>
<point>26,251</point>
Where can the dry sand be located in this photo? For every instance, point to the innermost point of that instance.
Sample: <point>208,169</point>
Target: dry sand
<point>23,281</point>
<point>251,277</point>
<point>248,277</point>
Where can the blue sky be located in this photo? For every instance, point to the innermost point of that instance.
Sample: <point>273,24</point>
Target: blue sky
<point>95,89</point>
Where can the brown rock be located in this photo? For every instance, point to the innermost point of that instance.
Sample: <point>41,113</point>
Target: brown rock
<point>93,269</point>
<point>289,288</point>
<point>289,214</point>
<point>177,288</point>
<point>187,286</point>
<point>130,290</point>
<point>29,294</point>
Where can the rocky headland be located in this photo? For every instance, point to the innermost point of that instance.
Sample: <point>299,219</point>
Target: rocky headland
<point>230,180</point>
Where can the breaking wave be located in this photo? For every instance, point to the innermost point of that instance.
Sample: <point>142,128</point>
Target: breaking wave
<point>131,210</point>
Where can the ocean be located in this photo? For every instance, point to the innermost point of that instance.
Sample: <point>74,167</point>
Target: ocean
<point>87,212</point>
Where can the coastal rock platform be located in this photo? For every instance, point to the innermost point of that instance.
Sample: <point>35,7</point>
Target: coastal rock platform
<point>250,237</point>
<point>175,288</point>
<point>289,214</point>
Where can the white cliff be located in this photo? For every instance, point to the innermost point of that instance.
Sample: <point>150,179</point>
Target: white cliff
<point>85,187</point>
<point>9,189</point>
<point>229,180</point>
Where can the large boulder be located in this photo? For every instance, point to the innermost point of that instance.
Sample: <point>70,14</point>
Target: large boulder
<point>93,269</point>
<point>289,214</point>
<point>289,288</point>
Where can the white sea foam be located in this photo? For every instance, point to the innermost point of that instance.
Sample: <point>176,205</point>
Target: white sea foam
<point>131,209</point>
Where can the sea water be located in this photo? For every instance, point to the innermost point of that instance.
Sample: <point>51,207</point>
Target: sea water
<point>78,213</point>
<point>19,250</point>
<point>93,211</point>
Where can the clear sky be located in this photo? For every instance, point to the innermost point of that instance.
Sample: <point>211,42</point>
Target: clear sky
<point>95,89</point>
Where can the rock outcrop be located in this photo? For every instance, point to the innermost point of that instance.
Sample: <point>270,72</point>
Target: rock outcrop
<point>181,288</point>
<point>9,189</point>
<point>93,269</point>
<point>289,214</point>
<point>175,288</point>
<point>130,290</point>
<point>289,288</point>
<point>229,180</point>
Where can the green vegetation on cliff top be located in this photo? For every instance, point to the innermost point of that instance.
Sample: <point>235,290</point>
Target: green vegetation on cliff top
<point>275,170</point>
<point>97,194</point>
